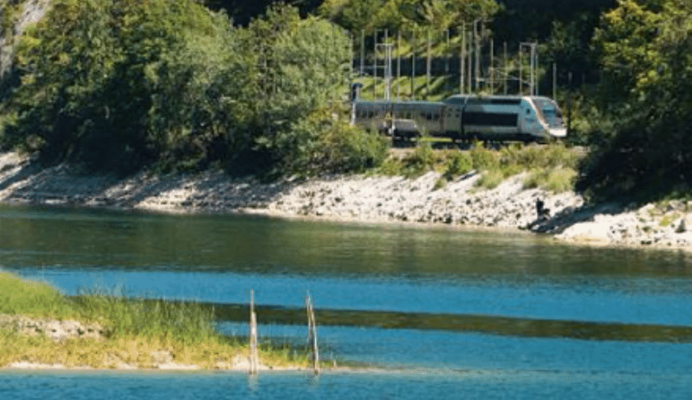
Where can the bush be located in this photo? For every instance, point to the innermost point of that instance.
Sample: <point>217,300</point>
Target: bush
<point>323,143</point>
<point>535,156</point>
<point>440,184</point>
<point>555,180</point>
<point>490,179</point>
<point>392,166</point>
<point>483,159</point>
<point>420,161</point>
<point>458,163</point>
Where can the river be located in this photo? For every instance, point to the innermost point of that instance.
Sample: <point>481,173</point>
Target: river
<point>439,312</point>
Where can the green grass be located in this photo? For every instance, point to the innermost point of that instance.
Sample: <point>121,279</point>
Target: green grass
<point>18,296</point>
<point>406,88</point>
<point>135,330</point>
<point>490,179</point>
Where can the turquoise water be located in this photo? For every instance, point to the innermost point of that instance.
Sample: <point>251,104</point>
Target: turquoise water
<point>513,282</point>
<point>502,384</point>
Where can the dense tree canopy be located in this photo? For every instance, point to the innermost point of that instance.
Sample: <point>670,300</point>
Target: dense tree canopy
<point>121,84</point>
<point>646,58</point>
<point>395,15</point>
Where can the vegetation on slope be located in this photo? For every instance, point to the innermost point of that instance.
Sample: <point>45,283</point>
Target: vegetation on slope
<point>552,167</point>
<point>118,85</point>
<point>644,146</point>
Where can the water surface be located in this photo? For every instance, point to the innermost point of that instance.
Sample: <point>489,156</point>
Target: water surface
<point>518,283</point>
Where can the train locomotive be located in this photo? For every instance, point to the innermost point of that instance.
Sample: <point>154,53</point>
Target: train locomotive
<point>465,117</point>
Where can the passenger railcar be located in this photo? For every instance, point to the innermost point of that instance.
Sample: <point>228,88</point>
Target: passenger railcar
<point>466,117</point>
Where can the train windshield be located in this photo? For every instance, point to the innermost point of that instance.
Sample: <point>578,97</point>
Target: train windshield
<point>551,112</point>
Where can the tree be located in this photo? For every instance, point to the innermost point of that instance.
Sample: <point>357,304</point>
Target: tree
<point>647,50</point>
<point>397,15</point>
<point>91,70</point>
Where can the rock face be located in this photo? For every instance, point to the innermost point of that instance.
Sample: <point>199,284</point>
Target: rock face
<point>54,329</point>
<point>30,12</point>
<point>356,198</point>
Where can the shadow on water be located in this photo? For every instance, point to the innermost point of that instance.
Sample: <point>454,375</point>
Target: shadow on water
<point>496,325</point>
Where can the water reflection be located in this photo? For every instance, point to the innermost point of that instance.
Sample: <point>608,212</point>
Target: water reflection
<point>106,240</point>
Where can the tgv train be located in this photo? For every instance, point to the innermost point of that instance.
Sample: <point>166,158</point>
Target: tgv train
<point>465,117</point>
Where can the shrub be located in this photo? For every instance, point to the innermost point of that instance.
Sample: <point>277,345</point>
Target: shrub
<point>458,163</point>
<point>534,156</point>
<point>350,149</point>
<point>440,183</point>
<point>483,159</point>
<point>392,167</point>
<point>490,179</point>
<point>555,180</point>
<point>322,143</point>
<point>421,160</point>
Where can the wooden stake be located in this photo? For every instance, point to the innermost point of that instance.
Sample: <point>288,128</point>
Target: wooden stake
<point>312,335</point>
<point>253,358</point>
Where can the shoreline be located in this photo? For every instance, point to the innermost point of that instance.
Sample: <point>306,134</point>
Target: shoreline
<point>355,199</point>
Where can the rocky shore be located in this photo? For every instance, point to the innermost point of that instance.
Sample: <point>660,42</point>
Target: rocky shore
<point>358,198</point>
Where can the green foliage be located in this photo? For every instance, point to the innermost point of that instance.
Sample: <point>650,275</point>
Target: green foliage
<point>555,180</point>
<point>458,163</point>
<point>147,318</point>
<point>627,50</point>
<point>483,159</point>
<point>440,183</point>
<point>419,161</point>
<point>302,65</point>
<point>322,143</point>
<point>646,54</point>
<point>152,318</point>
<point>118,85</point>
<point>355,15</point>
<point>535,156</point>
<point>87,88</point>
<point>9,11</point>
<point>18,296</point>
<point>490,179</point>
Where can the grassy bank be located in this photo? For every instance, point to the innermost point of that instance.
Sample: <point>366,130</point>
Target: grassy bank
<point>552,167</point>
<point>136,333</point>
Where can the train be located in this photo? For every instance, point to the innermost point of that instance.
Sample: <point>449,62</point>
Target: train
<point>464,117</point>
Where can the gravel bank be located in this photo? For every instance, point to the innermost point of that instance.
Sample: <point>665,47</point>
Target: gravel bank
<point>355,198</point>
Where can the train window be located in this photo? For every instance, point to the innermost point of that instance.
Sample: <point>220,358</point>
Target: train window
<point>371,114</point>
<point>429,117</point>
<point>436,117</point>
<point>408,115</point>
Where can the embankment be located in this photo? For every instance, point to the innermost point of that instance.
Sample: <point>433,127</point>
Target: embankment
<point>357,198</point>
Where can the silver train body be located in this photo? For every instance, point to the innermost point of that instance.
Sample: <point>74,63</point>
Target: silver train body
<point>465,117</point>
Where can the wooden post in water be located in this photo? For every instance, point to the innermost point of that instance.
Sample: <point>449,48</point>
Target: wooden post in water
<point>312,335</point>
<point>253,358</point>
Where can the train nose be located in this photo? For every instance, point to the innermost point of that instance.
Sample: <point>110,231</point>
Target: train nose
<point>558,133</point>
